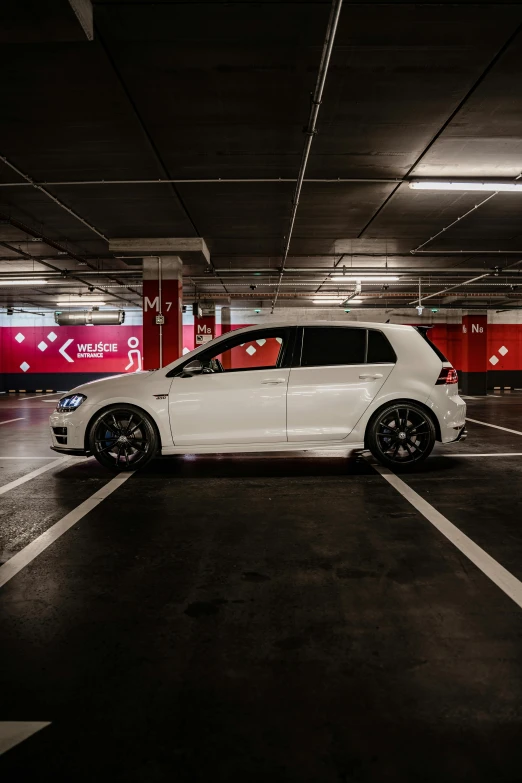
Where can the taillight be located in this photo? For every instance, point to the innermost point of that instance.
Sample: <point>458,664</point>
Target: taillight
<point>447,375</point>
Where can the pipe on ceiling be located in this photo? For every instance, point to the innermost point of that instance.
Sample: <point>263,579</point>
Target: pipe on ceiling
<point>53,198</point>
<point>312,123</point>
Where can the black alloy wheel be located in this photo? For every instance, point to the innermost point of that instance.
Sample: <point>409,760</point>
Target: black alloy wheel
<point>123,438</point>
<point>402,435</point>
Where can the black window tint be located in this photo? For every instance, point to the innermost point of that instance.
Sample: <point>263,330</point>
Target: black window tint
<point>329,345</point>
<point>379,348</point>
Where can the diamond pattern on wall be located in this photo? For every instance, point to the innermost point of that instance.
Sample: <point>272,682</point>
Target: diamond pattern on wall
<point>42,346</point>
<point>503,350</point>
<point>251,350</point>
<point>52,336</point>
<point>24,366</point>
<point>494,360</point>
<point>19,337</point>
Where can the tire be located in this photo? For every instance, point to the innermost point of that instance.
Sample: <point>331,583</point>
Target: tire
<point>401,436</point>
<point>123,437</point>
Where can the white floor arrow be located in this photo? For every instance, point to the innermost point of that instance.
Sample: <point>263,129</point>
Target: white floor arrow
<point>64,348</point>
<point>12,732</point>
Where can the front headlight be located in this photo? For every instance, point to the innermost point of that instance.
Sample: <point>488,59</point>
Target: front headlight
<point>70,403</point>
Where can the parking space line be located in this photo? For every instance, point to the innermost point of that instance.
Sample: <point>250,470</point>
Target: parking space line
<point>12,732</point>
<point>8,421</point>
<point>495,454</point>
<point>37,396</point>
<point>499,575</point>
<point>36,547</point>
<point>495,426</point>
<point>33,474</point>
<point>30,458</point>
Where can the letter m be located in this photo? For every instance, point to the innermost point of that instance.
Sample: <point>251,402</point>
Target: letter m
<point>154,305</point>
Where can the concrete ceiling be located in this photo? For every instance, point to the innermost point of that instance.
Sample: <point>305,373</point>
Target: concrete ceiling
<point>216,91</point>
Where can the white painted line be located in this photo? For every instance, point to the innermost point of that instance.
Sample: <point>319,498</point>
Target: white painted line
<point>495,454</point>
<point>8,421</point>
<point>36,547</point>
<point>33,474</point>
<point>12,732</point>
<point>499,575</point>
<point>31,458</point>
<point>37,396</point>
<point>495,426</point>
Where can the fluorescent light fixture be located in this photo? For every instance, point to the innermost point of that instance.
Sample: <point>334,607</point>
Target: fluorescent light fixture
<point>329,300</point>
<point>365,278</point>
<point>76,302</point>
<point>23,282</point>
<point>491,187</point>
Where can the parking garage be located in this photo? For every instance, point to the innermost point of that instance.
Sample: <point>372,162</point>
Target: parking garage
<point>170,173</point>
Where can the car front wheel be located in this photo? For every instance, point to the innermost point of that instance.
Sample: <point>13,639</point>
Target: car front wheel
<point>123,438</point>
<point>401,435</point>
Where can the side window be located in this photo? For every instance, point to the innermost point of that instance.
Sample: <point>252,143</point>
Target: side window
<point>263,352</point>
<point>379,349</point>
<point>325,346</point>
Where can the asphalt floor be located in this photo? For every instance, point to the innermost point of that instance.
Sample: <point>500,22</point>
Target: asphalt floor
<point>283,617</point>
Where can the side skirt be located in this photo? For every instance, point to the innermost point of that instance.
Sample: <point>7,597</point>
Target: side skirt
<point>257,448</point>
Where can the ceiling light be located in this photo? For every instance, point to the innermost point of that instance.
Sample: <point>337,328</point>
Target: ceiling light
<point>364,278</point>
<point>76,302</point>
<point>326,300</point>
<point>23,282</point>
<point>486,186</point>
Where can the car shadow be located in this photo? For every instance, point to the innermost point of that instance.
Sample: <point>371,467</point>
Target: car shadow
<point>268,464</point>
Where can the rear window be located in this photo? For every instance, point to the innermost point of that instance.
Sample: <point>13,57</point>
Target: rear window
<point>379,349</point>
<point>439,353</point>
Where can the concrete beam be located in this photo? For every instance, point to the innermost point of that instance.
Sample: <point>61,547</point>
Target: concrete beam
<point>189,249</point>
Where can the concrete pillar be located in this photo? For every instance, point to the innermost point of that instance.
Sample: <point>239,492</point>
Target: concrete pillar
<point>474,373</point>
<point>162,311</point>
<point>226,320</point>
<point>205,324</point>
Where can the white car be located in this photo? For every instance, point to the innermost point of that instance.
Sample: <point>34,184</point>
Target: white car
<point>285,387</point>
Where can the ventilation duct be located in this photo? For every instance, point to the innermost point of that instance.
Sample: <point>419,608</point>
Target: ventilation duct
<point>86,317</point>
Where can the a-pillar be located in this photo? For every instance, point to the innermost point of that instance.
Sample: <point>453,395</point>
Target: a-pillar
<point>204,324</point>
<point>162,311</point>
<point>474,369</point>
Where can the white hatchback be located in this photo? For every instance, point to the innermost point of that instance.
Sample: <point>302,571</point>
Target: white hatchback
<point>284,387</point>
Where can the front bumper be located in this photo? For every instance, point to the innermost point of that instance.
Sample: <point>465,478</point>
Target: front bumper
<point>71,452</point>
<point>68,430</point>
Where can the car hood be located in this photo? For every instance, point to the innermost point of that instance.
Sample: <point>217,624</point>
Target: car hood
<point>104,387</point>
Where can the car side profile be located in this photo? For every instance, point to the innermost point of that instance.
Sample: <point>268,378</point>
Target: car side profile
<point>286,387</point>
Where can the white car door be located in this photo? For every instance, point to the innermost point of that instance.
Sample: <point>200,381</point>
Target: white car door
<point>240,397</point>
<point>341,370</point>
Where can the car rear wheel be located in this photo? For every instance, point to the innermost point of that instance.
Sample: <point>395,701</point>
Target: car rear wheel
<point>401,435</point>
<point>123,438</point>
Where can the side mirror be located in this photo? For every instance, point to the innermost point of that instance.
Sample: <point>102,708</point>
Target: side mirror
<point>195,367</point>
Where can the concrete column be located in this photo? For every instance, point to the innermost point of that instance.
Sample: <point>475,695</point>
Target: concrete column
<point>226,320</point>
<point>162,311</point>
<point>205,324</point>
<point>474,374</point>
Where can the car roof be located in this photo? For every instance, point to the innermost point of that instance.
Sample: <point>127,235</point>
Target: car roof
<point>361,324</point>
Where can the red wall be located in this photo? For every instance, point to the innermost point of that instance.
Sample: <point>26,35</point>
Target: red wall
<point>116,350</point>
<point>448,337</point>
<point>47,349</point>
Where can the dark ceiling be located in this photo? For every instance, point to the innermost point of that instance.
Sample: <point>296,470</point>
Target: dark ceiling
<point>205,91</point>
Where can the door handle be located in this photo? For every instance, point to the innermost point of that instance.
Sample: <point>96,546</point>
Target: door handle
<point>371,377</point>
<point>274,382</point>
